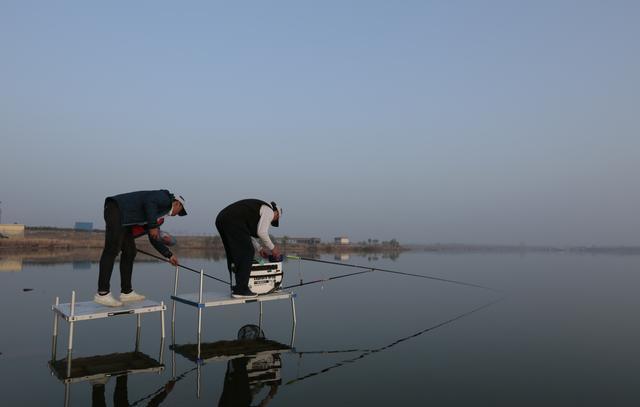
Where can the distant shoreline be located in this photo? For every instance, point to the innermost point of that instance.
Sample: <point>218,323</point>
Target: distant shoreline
<point>49,240</point>
<point>43,239</point>
<point>61,240</point>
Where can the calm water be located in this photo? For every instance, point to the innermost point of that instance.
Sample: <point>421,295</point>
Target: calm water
<point>566,332</point>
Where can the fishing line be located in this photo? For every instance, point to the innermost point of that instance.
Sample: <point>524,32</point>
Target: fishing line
<point>184,267</point>
<point>322,280</point>
<point>163,388</point>
<point>369,269</point>
<point>367,352</point>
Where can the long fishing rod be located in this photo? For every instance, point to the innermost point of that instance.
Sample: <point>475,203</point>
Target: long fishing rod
<point>369,269</point>
<point>326,279</point>
<point>184,267</point>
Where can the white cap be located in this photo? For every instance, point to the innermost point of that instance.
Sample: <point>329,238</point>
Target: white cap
<point>179,198</point>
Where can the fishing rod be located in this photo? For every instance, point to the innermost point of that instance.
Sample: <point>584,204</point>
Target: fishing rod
<point>369,269</point>
<point>184,267</point>
<point>326,279</point>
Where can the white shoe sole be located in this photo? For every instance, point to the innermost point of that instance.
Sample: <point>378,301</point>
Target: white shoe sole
<point>109,304</point>
<point>133,299</point>
<point>240,296</point>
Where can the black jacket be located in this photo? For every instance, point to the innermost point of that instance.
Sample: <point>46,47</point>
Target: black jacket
<point>143,207</point>
<point>244,214</point>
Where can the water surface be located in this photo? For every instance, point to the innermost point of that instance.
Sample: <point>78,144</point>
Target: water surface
<point>564,332</point>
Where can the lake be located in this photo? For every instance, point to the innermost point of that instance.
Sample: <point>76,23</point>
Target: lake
<point>561,329</point>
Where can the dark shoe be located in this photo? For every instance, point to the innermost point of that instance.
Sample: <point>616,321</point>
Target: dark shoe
<point>243,293</point>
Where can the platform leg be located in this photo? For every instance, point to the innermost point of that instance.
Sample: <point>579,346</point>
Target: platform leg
<point>54,339</point>
<point>293,336</point>
<point>162,321</point>
<point>67,394</point>
<point>138,329</point>
<point>68,365</point>
<point>71,325</point>
<point>199,333</point>
<point>70,343</point>
<point>260,319</point>
<point>71,318</point>
<point>173,362</point>
<point>173,308</point>
<point>198,381</point>
<point>161,355</point>
<point>293,309</point>
<point>173,325</point>
<point>200,310</point>
<point>293,327</point>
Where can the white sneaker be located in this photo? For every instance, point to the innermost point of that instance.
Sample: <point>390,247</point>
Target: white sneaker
<point>132,296</point>
<point>100,381</point>
<point>107,300</point>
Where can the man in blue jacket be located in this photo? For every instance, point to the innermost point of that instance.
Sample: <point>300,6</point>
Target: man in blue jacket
<point>121,213</point>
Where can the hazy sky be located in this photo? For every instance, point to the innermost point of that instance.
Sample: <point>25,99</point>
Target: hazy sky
<point>425,121</point>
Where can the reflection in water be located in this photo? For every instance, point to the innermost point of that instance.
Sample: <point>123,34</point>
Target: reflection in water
<point>81,265</point>
<point>366,352</point>
<point>254,363</point>
<point>247,376</point>
<point>11,264</point>
<point>121,396</point>
<point>98,370</point>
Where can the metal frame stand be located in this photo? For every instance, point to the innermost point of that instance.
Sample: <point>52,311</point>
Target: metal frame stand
<point>201,362</point>
<point>69,312</point>
<point>202,300</point>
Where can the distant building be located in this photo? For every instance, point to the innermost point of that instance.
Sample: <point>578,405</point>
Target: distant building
<point>13,230</point>
<point>341,240</point>
<point>84,226</point>
<point>302,240</point>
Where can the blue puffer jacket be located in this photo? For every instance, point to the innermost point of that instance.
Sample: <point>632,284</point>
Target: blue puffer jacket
<point>143,207</point>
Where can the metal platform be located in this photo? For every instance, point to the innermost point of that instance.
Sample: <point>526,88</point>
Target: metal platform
<point>222,351</point>
<point>259,358</point>
<point>102,366</point>
<point>91,310</point>
<point>202,300</point>
<point>83,311</point>
<point>216,299</point>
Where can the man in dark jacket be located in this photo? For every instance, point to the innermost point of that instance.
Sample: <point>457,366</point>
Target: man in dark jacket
<point>121,213</point>
<point>237,224</point>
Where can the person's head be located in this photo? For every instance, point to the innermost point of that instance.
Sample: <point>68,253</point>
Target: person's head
<point>177,206</point>
<point>277,213</point>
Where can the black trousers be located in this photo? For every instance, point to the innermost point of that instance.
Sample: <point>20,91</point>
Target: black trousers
<point>236,391</point>
<point>238,247</point>
<point>120,394</point>
<point>117,238</point>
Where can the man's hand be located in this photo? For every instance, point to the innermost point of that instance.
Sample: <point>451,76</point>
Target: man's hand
<point>275,252</point>
<point>264,254</point>
<point>154,233</point>
<point>173,260</point>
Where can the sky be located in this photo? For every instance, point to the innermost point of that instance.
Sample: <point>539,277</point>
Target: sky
<point>424,121</point>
